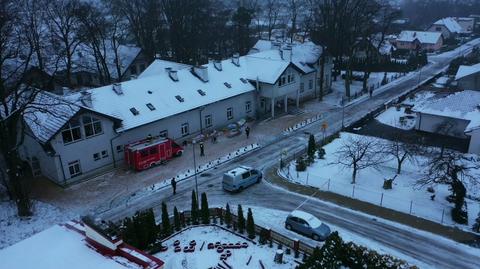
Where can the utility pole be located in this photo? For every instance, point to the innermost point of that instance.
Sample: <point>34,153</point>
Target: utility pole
<point>195,168</point>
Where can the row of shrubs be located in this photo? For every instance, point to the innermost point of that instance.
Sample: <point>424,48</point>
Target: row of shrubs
<point>338,254</point>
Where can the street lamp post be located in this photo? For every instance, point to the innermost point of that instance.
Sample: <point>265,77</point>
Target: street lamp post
<point>200,109</point>
<point>195,168</point>
<point>343,112</point>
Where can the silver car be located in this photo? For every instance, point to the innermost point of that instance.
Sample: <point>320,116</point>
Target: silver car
<point>307,224</point>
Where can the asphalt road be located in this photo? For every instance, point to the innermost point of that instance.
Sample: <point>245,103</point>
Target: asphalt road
<point>438,253</point>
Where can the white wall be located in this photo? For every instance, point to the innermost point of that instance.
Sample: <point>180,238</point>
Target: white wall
<point>433,124</point>
<point>474,146</point>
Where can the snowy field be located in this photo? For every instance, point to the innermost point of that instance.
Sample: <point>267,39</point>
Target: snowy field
<point>405,196</point>
<point>207,258</point>
<point>14,229</point>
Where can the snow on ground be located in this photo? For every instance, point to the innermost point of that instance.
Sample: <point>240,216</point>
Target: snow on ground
<point>275,219</point>
<point>397,118</point>
<point>405,196</point>
<point>14,229</point>
<point>207,258</point>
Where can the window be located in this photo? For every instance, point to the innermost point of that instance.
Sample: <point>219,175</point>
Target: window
<point>248,106</point>
<point>133,69</point>
<point>104,154</point>
<point>310,84</point>
<point>262,102</point>
<point>96,156</point>
<point>150,106</point>
<point>208,121</point>
<point>164,133</point>
<point>438,29</point>
<point>227,85</point>
<point>92,126</point>
<point>134,111</point>
<point>71,132</point>
<point>144,153</point>
<point>302,87</point>
<point>201,92</point>
<point>74,168</point>
<point>185,129</point>
<point>229,113</point>
<point>245,175</point>
<point>243,80</point>
<point>119,148</point>
<point>179,98</point>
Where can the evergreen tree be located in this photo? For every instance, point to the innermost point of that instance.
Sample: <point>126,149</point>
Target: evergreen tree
<point>140,231</point>
<point>228,216</point>
<point>311,148</point>
<point>128,232</point>
<point>176,219</point>
<point>240,219</point>
<point>166,227</point>
<point>151,226</point>
<point>194,211</point>
<point>250,224</point>
<point>205,213</point>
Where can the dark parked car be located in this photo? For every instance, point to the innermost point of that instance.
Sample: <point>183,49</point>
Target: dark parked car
<point>307,224</point>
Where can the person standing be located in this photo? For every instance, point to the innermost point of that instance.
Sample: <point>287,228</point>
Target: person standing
<point>174,186</point>
<point>202,149</point>
<point>247,131</point>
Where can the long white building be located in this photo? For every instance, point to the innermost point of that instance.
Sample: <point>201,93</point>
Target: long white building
<point>86,132</point>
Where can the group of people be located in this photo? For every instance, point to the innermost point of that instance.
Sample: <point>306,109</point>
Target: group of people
<point>173,182</point>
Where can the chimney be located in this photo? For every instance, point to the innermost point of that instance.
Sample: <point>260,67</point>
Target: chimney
<point>117,88</point>
<point>286,54</point>
<point>236,59</point>
<point>86,98</point>
<point>218,65</point>
<point>201,72</point>
<point>172,74</point>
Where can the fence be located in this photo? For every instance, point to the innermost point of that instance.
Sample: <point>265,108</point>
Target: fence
<point>427,209</point>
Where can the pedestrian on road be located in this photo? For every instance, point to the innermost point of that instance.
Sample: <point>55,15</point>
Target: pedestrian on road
<point>202,149</point>
<point>174,186</point>
<point>247,131</point>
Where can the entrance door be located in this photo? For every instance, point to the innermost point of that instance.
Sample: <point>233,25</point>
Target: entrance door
<point>36,171</point>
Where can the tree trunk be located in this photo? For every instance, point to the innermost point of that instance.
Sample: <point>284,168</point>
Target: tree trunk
<point>322,74</point>
<point>399,167</point>
<point>18,185</point>
<point>347,81</point>
<point>366,74</point>
<point>354,174</point>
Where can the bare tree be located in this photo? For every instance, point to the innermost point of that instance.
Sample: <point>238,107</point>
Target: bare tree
<point>402,149</point>
<point>294,7</point>
<point>272,11</point>
<point>358,153</point>
<point>63,26</point>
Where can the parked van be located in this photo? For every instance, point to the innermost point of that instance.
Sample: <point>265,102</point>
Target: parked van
<point>240,178</point>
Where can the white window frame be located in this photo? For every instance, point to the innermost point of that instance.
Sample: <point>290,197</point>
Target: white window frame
<point>96,156</point>
<point>208,121</point>
<point>94,123</point>
<point>248,106</point>
<point>74,168</point>
<point>230,113</point>
<point>163,133</point>
<point>104,154</point>
<point>69,128</point>
<point>185,129</point>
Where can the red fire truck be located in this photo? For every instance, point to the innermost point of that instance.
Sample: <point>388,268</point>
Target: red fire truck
<point>146,153</point>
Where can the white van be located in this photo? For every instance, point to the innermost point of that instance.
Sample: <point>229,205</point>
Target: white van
<point>240,178</point>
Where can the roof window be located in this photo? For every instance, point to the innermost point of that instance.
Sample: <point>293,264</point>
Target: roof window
<point>134,111</point>
<point>150,106</point>
<point>179,98</point>
<point>201,92</point>
<point>227,85</point>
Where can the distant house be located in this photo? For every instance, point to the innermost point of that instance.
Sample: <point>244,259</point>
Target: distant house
<point>467,24</point>
<point>418,40</point>
<point>468,77</point>
<point>75,245</point>
<point>449,27</point>
<point>456,115</point>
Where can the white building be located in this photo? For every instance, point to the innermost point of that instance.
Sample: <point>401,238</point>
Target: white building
<point>456,115</point>
<point>449,27</point>
<point>85,133</point>
<point>468,77</point>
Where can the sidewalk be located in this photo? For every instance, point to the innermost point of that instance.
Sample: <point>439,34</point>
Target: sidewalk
<point>374,210</point>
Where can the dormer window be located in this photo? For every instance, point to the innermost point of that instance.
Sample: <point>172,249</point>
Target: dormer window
<point>150,106</point>
<point>179,98</point>
<point>134,111</point>
<point>201,92</point>
<point>227,85</point>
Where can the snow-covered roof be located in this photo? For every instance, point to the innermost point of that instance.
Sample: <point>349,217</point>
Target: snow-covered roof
<point>461,105</point>
<point>59,247</point>
<point>423,37</point>
<point>304,55</point>
<point>309,218</point>
<point>168,97</point>
<point>158,66</point>
<point>451,24</point>
<point>467,70</point>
